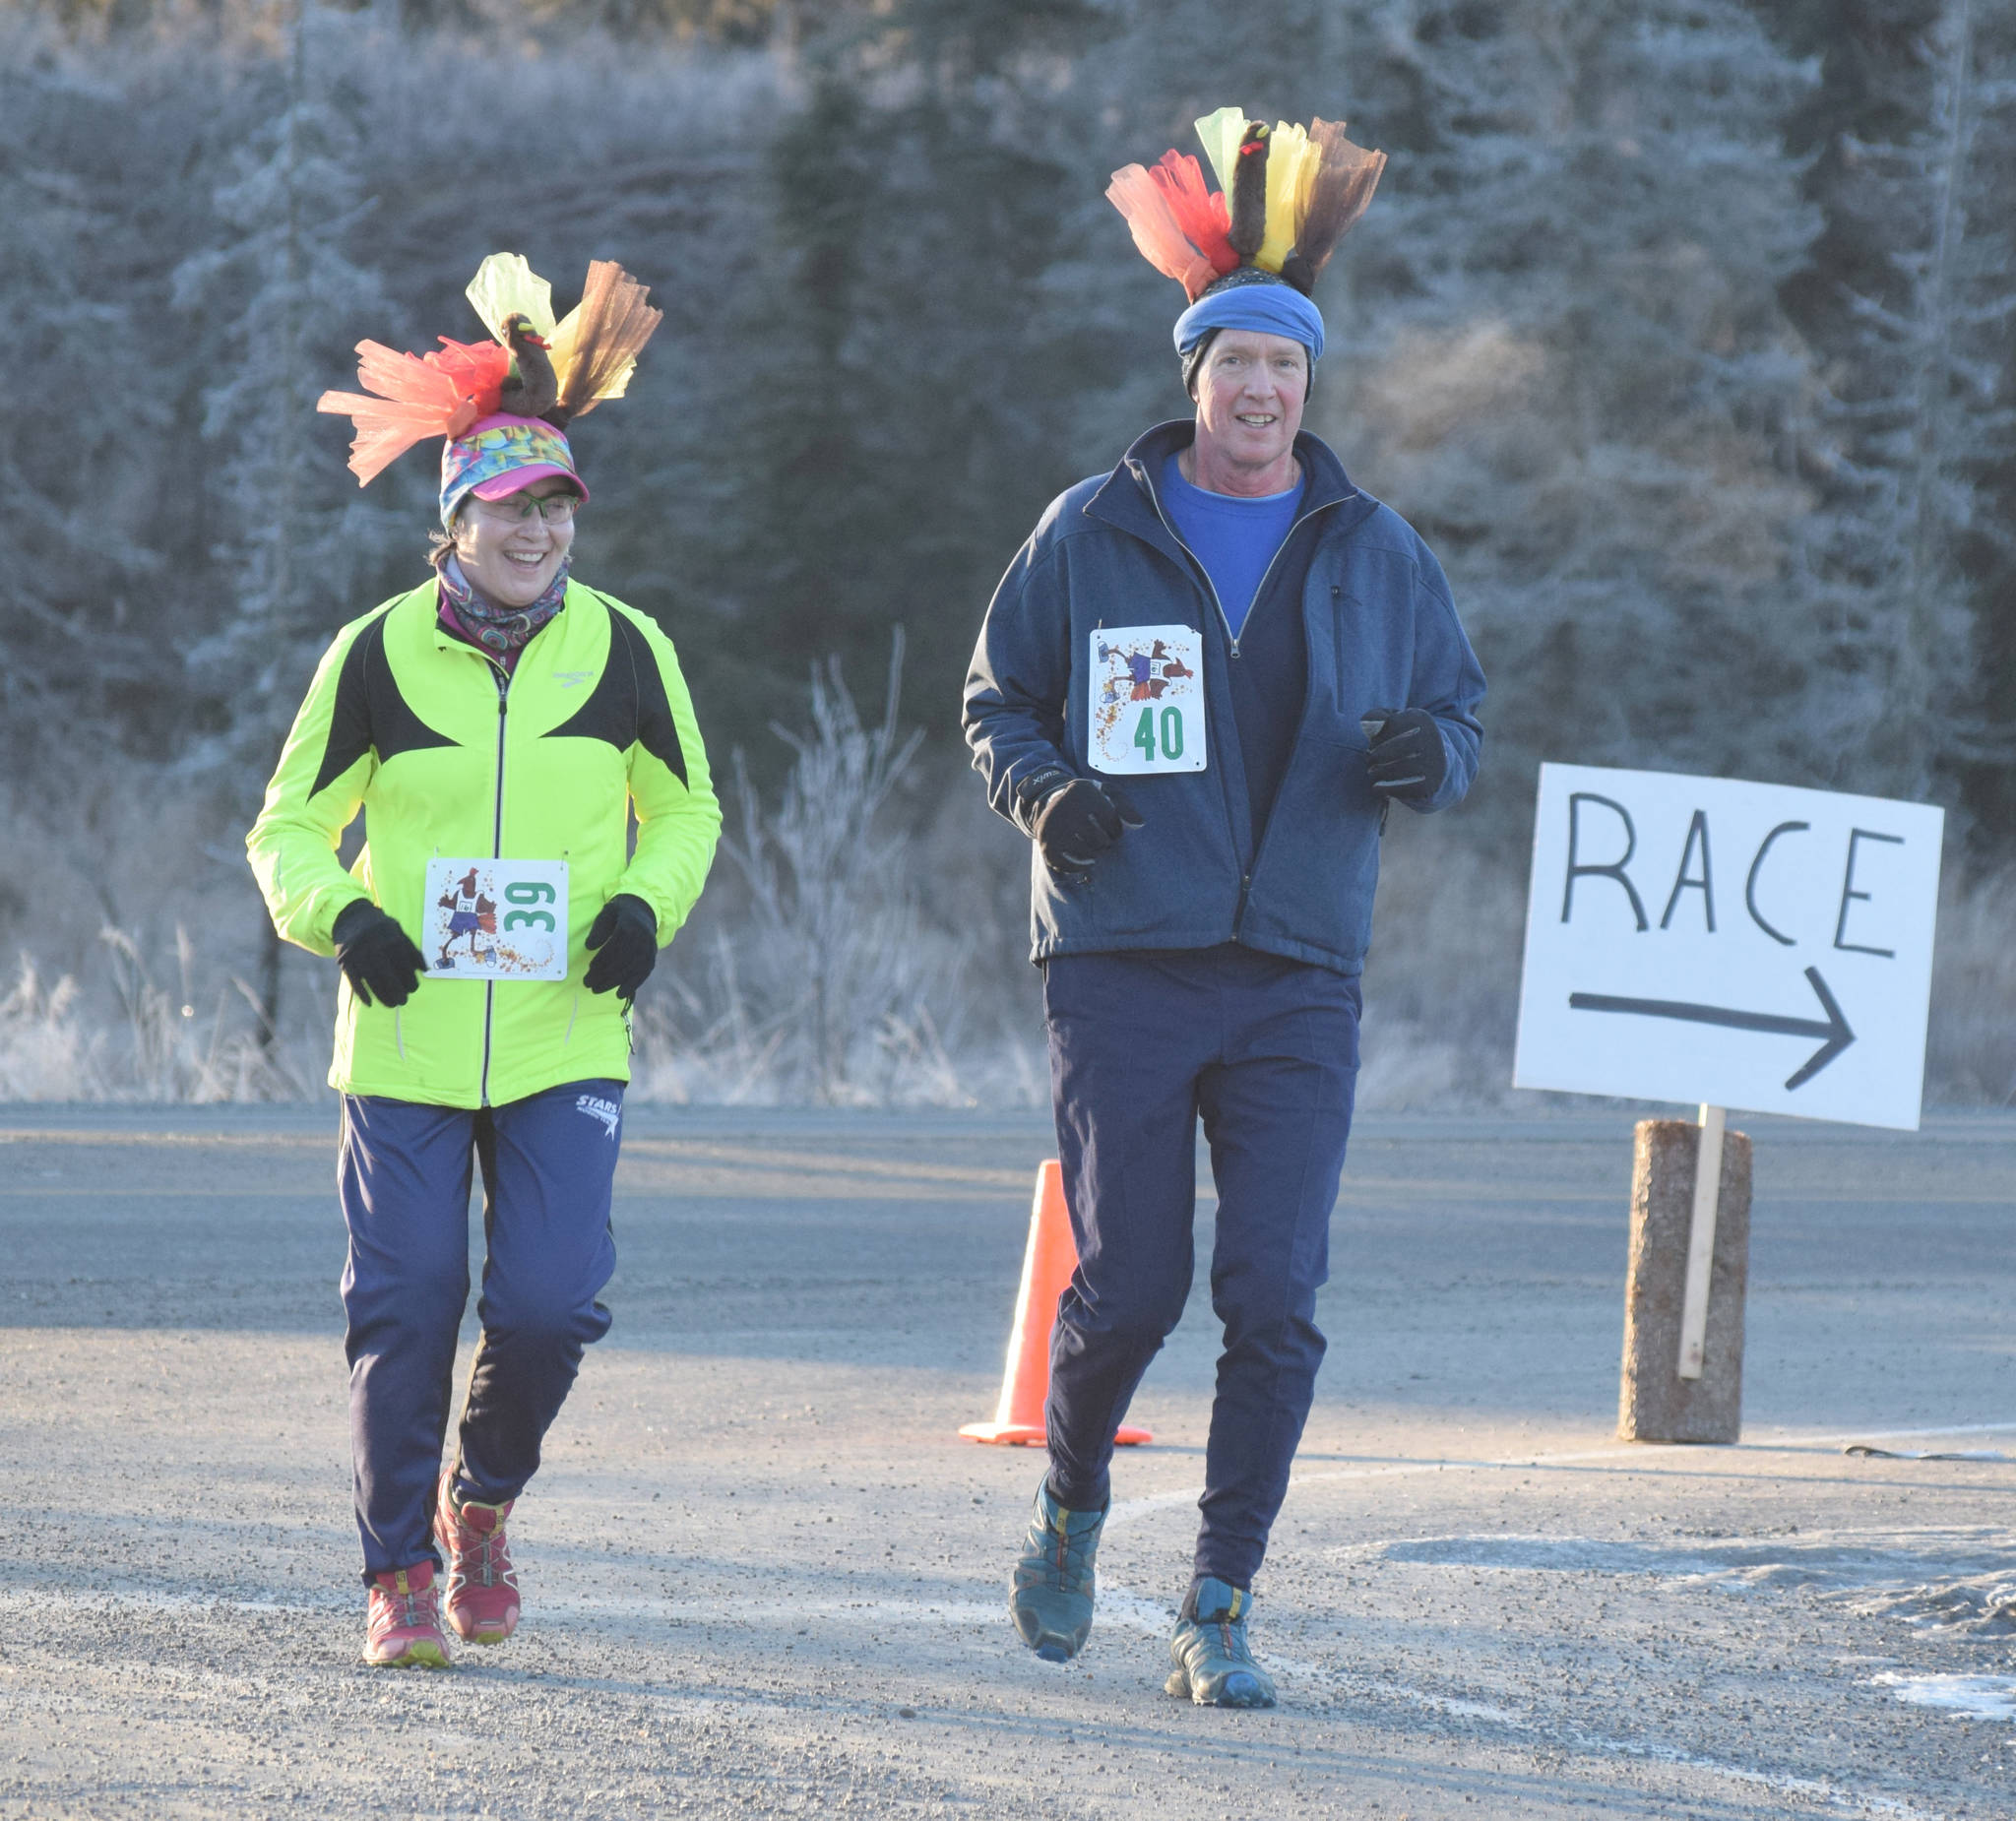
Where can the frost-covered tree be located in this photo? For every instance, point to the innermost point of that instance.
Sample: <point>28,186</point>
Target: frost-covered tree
<point>278,300</point>
<point>1910,298</point>
<point>73,419</point>
<point>280,297</point>
<point>922,367</point>
<point>1562,354</point>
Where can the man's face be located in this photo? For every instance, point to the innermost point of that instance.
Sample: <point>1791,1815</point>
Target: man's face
<point>1250,392</point>
<point>508,547</point>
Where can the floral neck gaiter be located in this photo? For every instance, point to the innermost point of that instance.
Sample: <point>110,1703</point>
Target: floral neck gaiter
<point>501,630</point>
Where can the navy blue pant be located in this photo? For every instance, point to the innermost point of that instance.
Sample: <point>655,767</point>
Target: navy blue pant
<point>1142,1042</point>
<point>548,1162</point>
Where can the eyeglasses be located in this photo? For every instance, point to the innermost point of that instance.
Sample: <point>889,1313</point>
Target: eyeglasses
<point>518,508</point>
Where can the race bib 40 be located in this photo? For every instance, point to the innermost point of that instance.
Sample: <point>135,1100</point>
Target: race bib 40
<point>1146,702</point>
<point>495,919</point>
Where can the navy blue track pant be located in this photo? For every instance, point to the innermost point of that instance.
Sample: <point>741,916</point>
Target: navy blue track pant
<point>548,1162</point>
<point>1142,1042</point>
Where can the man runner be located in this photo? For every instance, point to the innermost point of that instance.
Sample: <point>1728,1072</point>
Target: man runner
<point>1199,688</point>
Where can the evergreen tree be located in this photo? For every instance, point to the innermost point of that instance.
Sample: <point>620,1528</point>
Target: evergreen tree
<point>72,417</point>
<point>1563,358</point>
<point>1910,298</point>
<point>281,298</point>
<point>278,300</point>
<point>915,405</point>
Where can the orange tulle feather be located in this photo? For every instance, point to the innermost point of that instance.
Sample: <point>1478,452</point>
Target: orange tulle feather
<point>1145,205</point>
<point>414,398</point>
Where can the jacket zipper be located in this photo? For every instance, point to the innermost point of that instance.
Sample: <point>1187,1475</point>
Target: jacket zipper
<point>1302,730</point>
<point>503,681</point>
<point>1260,847</point>
<point>1201,574</point>
<point>1265,574</point>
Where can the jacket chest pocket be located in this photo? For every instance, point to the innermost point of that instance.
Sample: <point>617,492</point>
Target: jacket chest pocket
<point>1366,674</point>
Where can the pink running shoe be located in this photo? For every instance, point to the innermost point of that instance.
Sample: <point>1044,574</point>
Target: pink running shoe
<point>482,1586</point>
<point>404,1621</point>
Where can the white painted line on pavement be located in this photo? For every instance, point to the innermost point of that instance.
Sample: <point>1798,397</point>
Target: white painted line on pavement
<point>1814,1788</point>
<point>1120,1602</point>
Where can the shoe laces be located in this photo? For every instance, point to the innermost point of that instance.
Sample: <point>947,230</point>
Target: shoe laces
<point>1231,1638</point>
<point>489,1549</point>
<point>1072,1550</point>
<point>414,1607</point>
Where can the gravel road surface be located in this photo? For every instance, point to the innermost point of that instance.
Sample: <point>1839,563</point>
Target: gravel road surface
<point>763,1575</point>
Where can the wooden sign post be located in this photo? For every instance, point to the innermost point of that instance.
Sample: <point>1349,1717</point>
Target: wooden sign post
<point>1684,1286</point>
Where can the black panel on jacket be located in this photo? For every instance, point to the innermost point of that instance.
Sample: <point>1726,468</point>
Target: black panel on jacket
<point>369,710</point>
<point>628,706</point>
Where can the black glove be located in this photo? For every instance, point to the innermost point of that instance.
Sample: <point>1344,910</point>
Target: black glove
<point>1407,760</point>
<point>1076,823</point>
<point>377,957</point>
<point>624,936</point>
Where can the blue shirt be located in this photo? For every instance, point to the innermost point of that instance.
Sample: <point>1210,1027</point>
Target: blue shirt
<point>1234,538</point>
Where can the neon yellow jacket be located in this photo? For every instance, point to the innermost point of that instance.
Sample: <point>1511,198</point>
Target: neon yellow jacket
<point>416,727</point>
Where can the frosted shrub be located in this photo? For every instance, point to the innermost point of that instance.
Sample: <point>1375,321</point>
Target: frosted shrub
<point>46,1052</point>
<point>173,1055</point>
<point>825,985</point>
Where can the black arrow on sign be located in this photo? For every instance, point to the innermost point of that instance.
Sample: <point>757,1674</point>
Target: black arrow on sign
<point>1835,1030</point>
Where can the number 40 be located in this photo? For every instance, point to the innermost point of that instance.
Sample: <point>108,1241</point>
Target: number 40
<point>1172,733</point>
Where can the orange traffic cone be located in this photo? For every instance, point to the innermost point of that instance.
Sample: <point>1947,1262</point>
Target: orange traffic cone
<point>1047,1267</point>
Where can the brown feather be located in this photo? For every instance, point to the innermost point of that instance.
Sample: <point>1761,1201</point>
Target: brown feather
<point>1345,182</point>
<point>598,345</point>
<point>1249,192</point>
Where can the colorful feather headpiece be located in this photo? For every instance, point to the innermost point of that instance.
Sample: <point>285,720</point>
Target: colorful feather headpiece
<point>535,368</point>
<point>1295,194</point>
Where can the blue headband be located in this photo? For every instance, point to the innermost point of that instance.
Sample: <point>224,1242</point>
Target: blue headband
<point>1271,308</point>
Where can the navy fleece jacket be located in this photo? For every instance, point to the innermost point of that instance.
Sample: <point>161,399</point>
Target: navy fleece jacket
<point>1380,631</point>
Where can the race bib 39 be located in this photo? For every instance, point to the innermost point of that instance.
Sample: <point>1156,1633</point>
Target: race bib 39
<point>495,919</point>
<point>1146,702</point>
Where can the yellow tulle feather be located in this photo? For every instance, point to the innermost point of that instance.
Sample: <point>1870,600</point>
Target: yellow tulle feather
<point>1291,164</point>
<point>504,286</point>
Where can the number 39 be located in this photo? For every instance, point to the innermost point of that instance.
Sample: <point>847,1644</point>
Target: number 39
<point>528,891</point>
<point>1172,733</point>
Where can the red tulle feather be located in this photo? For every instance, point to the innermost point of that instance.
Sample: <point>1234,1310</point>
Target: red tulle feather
<point>439,395</point>
<point>480,368</point>
<point>1200,211</point>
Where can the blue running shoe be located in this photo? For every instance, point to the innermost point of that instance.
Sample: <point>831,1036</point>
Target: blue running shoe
<point>1050,1596</point>
<point>1215,1665</point>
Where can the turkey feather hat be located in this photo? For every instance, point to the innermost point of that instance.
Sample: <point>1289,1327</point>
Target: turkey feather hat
<point>1249,262</point>
<point>502,405</point>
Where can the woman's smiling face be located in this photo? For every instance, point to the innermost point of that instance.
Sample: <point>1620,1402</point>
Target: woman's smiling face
<point>509,548</point>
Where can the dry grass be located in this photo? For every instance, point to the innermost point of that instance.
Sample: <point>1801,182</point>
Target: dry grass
<point>864,943</point>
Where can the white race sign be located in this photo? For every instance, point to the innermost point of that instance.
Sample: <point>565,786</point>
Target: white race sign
<point>1735,944</point>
